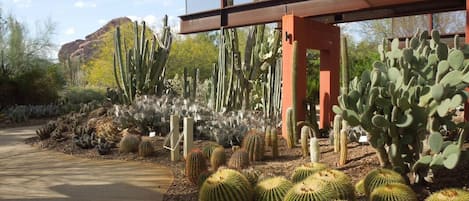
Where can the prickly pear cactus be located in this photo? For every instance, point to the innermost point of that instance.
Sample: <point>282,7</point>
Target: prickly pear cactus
<point>302,172</point>
<point>379,177</point>
<point>254,144</point>
<point>393,192</point>
<point>226,185</point>
<point>409,94</point>
<point>272,189</point>
<point>450,194</point>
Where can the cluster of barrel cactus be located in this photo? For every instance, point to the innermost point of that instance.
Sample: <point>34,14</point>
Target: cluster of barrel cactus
<point>406,97</point>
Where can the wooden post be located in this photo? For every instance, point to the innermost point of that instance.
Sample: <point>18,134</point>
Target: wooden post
<point>174,126</point>
<point>188,135</point>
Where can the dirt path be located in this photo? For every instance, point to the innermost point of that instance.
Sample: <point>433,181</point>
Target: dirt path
<point>27,173</point>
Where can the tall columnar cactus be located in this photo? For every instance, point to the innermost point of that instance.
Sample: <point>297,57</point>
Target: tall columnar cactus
<point>226,185</point>
<point>302,172</point>
<point>274,142</point>
<point>267,136</point>
<point>294,91</point>
<point>314,150</point>
<point>408,95</point>
<point>141,69</point>
<point>449,194</point>
<point>379,177</point>
<point>290,128</point>
<point>305,135</point>
<point>218,158</point>
<point>195,165</point>
<point>336,132</point>
<point>393,192</point>
<point>343,144</point>
<point>254,144</point>
<point>344,71</point>
<point>272,189</point>
<point>239,159</point>
<point>338,181</point>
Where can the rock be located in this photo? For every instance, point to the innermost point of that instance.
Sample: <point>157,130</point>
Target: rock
<point>85,49</point>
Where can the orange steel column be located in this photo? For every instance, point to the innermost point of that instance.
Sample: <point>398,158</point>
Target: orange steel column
<point>466,106</point>
<point>310,35</point>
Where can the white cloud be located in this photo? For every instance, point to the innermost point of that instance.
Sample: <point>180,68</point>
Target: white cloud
<point>23,3</point>
<point>70,31</point>
<point>102,21</point>
<point>85,4</point>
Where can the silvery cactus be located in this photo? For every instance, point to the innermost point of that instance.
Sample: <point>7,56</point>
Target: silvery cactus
<point>408,95</point>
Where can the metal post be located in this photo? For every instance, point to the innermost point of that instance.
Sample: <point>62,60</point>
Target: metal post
<point>174,125</point>
<point>188,135</point>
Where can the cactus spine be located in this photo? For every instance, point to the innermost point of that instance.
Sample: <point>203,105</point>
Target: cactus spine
<point>274,139</point>
<point>305,134</point>
<point>144,67</point>
<point>290,128</point>
<point>343,144</point>
<point>226,185</point>
<point>338,181</point>
<point>336,134</point>
<point>302,172</point>
<point>272,189</point>
<point>218,158</point>
<point>254,145</point>
<point>195,165</point>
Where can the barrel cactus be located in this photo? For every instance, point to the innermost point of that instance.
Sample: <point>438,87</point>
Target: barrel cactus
<point>218,158</point>
<point>226,185</point>
<point>129,144</point>
<point>239,159</point>
<point>254,144</point>
<point>379,177</point>
<point>450,194</point>
<point>304,171</point>
<point>338,181</point>
<point>393,192</point>
<point>306,133</point>
<point>202,177</point>
<point>195,165</point>
<point>145,148</point>
<point>207,150</point>
<point>310,190</point>
<point>252,175</point>
<point>360,187</point>
<point>272,189</point>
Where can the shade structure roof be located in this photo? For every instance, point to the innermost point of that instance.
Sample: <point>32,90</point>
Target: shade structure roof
<point>326,11</point>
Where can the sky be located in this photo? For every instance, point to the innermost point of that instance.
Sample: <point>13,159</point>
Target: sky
<point>75,19</point>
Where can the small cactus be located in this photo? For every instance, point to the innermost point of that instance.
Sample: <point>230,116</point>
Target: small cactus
<point>207,150</point>
<point>304,171</point>
<point>254,145</point>
<point>450,194</point>
<point>314,150</point>
<point>393,192</point>
<point>226,185</point>
<point>343,144</point>
<point>239,159</point>
<point>202,177</point>
<point>290,128</point>
<point>305,135</point>
<point>267,136</point>
<point>336,132</point>
<point>337,181</point>
<point>274,142</point>
<point>145,148</point>
<point>195,165</point>
<point>272,189</point>
<point>379,177</point>
<point>252,175</point>
<point>310,190</point>
<point>218,158</point>
<point>129,143</point>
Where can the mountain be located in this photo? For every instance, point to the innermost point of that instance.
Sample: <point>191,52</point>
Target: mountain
<point>87,48</point>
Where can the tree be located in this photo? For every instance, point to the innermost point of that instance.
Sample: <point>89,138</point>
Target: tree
<point>197,51</point>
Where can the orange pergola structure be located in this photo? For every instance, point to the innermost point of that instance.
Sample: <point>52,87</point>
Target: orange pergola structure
<point>312,24</point>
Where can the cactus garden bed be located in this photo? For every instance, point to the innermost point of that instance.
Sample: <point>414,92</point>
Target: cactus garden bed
<point>361,160</point>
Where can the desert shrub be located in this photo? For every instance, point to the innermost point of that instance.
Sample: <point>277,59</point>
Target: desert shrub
<point>77,95</point>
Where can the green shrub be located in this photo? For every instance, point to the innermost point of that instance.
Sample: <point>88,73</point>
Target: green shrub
<point>77,95</point>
